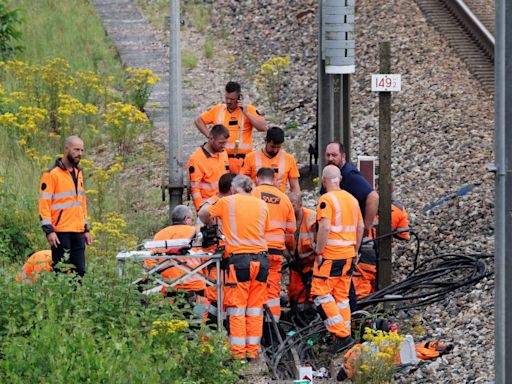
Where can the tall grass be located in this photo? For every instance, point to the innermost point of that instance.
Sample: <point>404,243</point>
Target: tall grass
<point>68,29</point>
<point>198,15</point>
<point>54,28</point>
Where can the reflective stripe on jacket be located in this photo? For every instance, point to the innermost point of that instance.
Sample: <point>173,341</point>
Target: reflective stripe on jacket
<point>62,203</point>
<point>342,209</point>
<point>282,216</point>
<point>304,241</point>
<point>175,232</point>
<point>283,164</point>
<point>205,170</point>
<point>245,219</point>
<point>239,126</point>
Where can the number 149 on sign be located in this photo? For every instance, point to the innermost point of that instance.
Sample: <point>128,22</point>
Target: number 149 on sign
<point>386,83</point>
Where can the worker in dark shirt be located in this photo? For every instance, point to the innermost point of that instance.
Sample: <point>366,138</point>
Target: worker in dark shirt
<point>354,183</point>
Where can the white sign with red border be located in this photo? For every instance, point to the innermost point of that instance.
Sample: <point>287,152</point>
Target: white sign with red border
<point>386,83</point>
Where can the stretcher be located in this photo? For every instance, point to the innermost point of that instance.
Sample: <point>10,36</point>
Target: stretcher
<point>172,253</point>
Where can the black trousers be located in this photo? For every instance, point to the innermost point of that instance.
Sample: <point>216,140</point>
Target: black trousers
<point>72,243</point>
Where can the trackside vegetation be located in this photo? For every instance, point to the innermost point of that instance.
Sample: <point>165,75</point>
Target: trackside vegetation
<point>102,330</point>
<point>67,80</point>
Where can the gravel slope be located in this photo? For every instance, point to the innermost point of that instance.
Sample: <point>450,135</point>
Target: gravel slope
<point>443,132</point>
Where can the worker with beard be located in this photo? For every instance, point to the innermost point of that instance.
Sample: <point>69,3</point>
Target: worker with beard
<point>63,208</point>
<point>239,118</point>
<point>274,157</point>
<point>354,183</point>
<point>207,164</point>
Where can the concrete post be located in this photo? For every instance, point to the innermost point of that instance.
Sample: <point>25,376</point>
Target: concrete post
<point>175,109</point>
<point>384,265</point>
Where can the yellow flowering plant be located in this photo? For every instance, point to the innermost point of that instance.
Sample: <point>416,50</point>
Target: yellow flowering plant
<point>375,361</point>
<point>72,103</point>
<point>270,78</point>
<point>169,327</point>
<point>91,87</point>
<point>73,116</point>
<point>124,123</point>
<point>100,177</point>
<point>138,84</point>
<point>24,126</point>
<point>109,234</point>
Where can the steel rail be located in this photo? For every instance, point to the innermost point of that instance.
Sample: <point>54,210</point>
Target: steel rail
<point>465,32</point>
<point>473,24</point>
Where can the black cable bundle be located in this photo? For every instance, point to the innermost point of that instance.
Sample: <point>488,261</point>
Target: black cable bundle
<point>430,281</point>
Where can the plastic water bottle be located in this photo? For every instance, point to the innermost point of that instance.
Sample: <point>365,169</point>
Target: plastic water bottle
<point>408,351</point>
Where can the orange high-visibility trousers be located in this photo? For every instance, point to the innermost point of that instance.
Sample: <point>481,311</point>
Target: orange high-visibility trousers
<point>365,273</point>
<point>330,288</point>
<point>364,277</point>
<point>274,283</point>
<point>245,294</point>
<point>297,291</point>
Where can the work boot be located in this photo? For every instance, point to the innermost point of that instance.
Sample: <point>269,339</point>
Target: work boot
<point>340,344</point>
<point>342,375</point>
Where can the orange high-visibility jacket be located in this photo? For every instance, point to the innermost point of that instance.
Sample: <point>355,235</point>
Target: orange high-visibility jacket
<point>240,127</point>
<point>342,209</point>
<point>282,216</point>
<point>174,232</point>
<point>399,220</point>
<point>283,164</point>
<point>245,219</point>
<point>205,170</point>
<point>211,200</point>
<point>303,241</point>
<point>35,265</point>
<point>62,205</point>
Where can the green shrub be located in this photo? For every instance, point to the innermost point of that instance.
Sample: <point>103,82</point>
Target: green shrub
<point>102,330</point>
<point>291,125</point>
<point>17,227</point>
<point>10,34</point>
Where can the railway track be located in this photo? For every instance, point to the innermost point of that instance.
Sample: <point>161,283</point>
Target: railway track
<point>469,29</point>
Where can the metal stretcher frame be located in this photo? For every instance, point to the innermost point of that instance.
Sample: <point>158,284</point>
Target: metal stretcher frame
<point>174,261</point>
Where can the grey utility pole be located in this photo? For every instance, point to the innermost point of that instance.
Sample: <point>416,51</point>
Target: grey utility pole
<point>336,61</point>
<point>384,265</point>
<point>503,206</point>
<point>175,112</point>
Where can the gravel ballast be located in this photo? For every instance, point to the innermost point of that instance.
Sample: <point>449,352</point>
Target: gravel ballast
<point>442,138</point>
